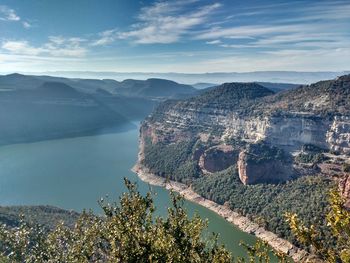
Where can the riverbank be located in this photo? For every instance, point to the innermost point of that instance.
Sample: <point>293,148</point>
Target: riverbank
<point>243,223</point>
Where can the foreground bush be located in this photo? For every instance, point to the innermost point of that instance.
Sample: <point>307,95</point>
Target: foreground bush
<point>338,221</point>
<point>129,232</point>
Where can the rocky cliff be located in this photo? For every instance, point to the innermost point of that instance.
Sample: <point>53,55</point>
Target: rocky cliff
<point>262,154</point>
<point>317,115</point>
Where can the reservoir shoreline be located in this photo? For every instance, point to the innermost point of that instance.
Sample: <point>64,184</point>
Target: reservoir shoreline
<point>241,222</point>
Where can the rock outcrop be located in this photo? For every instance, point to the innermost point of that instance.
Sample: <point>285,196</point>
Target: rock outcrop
<point>344,186</point>
<point>271,171</point>
<point>338,135</point>
<point>218,158</point>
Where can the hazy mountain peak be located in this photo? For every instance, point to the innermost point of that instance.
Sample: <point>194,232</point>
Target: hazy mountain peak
<point>234,92</point>
<point>54,88</point>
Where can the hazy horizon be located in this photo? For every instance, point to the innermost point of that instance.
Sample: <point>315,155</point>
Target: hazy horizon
<point>295,77</point>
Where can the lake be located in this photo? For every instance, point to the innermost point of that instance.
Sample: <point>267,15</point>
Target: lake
<point>74,173</point>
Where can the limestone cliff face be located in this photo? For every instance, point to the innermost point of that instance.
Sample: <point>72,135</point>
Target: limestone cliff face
<point>318,115</point>
<point>338,134</point>
<point>289,132</point>
<point>272,171</point>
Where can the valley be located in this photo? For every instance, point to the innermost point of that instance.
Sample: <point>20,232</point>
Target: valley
<point>244,151</point>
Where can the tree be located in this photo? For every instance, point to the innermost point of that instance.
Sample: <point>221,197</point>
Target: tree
<point>128,232</point>
<point>338,220</point>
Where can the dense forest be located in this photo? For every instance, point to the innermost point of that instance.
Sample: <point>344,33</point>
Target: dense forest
<point>266,204</point>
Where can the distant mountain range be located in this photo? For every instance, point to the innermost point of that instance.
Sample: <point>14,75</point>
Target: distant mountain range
<point>155,88</point>
<point>216,77</point>
<point>45,107</point>
<point>35,108</point>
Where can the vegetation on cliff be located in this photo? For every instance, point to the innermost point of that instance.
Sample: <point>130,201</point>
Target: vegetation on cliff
<point>231,94</point>
<point>266,204</point>
<point>258,153</point>
<point>173,160</point>
<point>324,98</point>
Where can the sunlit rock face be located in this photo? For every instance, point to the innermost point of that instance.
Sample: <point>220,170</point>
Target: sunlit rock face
<point>235,115</point>
<point>338,135</point>
<point>289,132</point>
<point>274,171</point>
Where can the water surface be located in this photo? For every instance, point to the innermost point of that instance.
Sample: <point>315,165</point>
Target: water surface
<point>74,173</point>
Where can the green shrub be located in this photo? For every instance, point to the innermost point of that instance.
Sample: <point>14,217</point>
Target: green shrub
<point>310,158</point>
<point>258,153</point>
<point>173,160</point>
<point>306,196</point>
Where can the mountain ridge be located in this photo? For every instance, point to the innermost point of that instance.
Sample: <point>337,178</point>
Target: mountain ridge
<point>305,77</point>
<point>153,87</point>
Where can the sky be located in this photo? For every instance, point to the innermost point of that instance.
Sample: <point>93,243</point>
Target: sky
<point>189,36</point>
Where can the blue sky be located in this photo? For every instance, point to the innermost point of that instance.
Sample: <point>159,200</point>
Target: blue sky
<point>174,36</point>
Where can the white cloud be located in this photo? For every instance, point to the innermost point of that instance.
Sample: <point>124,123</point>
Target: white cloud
<point>106,37</point>
<point>57,46</point>
<point>311,26</point>
<point>8,14</point>
<point>310,36</point>
<point>26,24</point>
<point>213,42</point>
<point>247,32</point>
<point>166,22</point>
<point>21,47</point>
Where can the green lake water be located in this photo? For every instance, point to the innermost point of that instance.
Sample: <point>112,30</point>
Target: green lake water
<point>74,173</point>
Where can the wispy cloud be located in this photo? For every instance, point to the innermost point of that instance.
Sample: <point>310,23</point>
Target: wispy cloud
<point>317,28</point>
<point>26,24</point>
<point>20,47</point>
<point>56,46</point>
<point>105,38</point>
<point>213,42</point>
<point>219,36</point>
<point>247,32</point>
<point>8,14</point>
<point>166,22</point>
